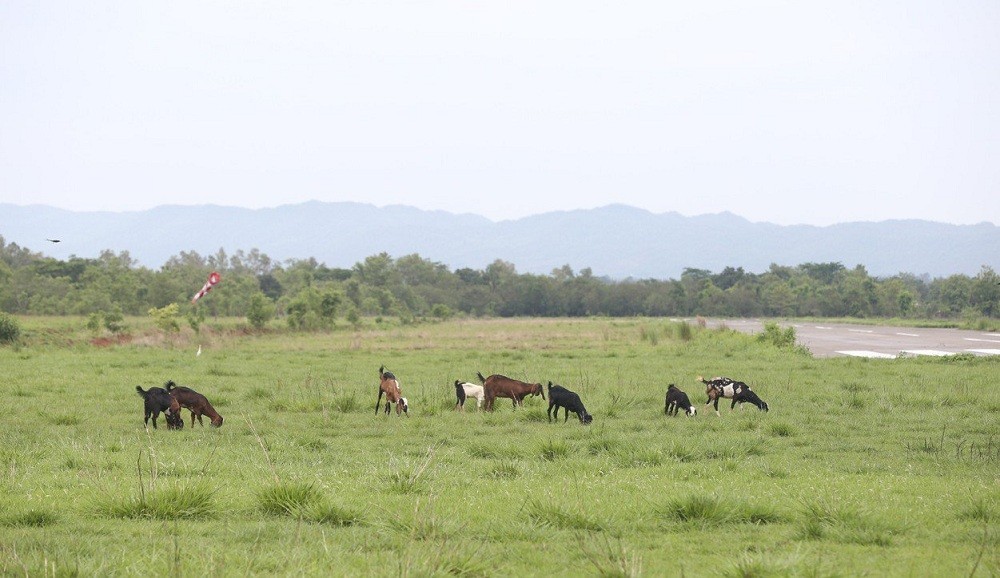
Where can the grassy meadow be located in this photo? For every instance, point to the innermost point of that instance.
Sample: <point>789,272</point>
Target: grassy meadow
<point>862,467</point>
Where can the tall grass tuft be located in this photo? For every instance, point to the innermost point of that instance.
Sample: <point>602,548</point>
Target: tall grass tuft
<point>759,514</point>
<point>30,518</point>
<point>612,560</point>
<point>294,499</point>
<point>504,470</point>
<point>182,502</point>
<point>602,445</point>
<point>65,419</point>
<point>843,523</point>
<point>698,509</point>
<point>781,429</point>
<point>750,567</point>
<point>681,452</point>
<point>552,515</point>
<point>552,450</point>
<point>346,403</point>
<point>637,456</point>
<point>410,480</point>
<point>332,515</point>
<point>979,510</point>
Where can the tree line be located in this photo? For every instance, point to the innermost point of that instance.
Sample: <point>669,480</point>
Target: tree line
<point>309,295</point>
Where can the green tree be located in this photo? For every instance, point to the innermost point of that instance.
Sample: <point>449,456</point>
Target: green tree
<point>986,292</point>
<point>260,311</point>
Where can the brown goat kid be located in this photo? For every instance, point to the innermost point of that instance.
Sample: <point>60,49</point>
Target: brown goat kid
<point>389,385</point>
<point>197,403</point>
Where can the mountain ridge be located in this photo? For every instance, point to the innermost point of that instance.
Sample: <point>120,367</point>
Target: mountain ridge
<point>617,240</point>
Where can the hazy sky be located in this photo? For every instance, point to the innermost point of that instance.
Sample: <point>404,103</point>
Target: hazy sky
<point>787,112</point>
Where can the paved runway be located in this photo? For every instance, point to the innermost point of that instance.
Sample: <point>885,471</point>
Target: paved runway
<point>877,341</point>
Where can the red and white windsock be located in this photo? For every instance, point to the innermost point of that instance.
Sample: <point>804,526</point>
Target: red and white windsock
<point>213,279</point>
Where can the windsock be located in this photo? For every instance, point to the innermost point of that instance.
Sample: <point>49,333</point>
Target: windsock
<point>213,279</point>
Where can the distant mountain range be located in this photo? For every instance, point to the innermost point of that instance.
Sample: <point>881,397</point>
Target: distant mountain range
<point>616,241</point>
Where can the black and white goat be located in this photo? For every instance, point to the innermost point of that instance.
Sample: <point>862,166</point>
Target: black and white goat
<point>677,400</point>
<point>725,387</point>
<point>466,390</point>
<point>560,397</point>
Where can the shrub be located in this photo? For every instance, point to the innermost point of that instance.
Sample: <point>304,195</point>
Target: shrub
<point>10,329</point>
<point>195,318</point>
<point>777,336</point>
<point>166,317</point>
<point>114,320</point>
<point>94,322</point>
<point>442,311</point>
<point>261,310</point>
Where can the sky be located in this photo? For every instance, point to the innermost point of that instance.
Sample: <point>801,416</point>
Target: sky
<point>783,112</point>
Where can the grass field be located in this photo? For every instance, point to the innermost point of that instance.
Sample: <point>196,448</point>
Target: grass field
<point>862,467</point>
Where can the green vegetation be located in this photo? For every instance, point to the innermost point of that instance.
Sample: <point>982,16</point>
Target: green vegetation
<point>309,296</point>
<point>10,329</point>
<point>862,467</point>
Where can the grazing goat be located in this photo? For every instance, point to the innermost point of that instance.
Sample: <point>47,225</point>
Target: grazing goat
<point>195,402</point>
<point>157,400</point>
<point>677,400</point>
<point>725,387</point>
<point>393,393</point>
<point>465,390</point>
<point>560,397</point>
<point>496,386</point>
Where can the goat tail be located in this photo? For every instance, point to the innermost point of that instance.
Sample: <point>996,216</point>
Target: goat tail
<point>170,384</point>
<point>138,390</point>
<point>480,376</point>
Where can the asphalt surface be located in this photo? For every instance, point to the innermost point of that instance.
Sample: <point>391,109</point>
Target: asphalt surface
<point>877,341</point>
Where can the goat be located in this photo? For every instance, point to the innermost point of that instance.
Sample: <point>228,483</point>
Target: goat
<point>195,402</point>
<point>677,400</point>
<point>496,386</point>
<point>389,385</point>
<point>725,387</point>
<point>465,390</point>
<point>560,397</point>
<point>157,400</point>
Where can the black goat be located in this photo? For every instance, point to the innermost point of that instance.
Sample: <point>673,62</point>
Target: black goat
<point>560,397</point>
<point>157,400</point>
<point>677,400</point>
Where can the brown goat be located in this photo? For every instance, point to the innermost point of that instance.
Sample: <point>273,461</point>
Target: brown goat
<point>389,386</point>
<point>496,386</point>
<point>197,403</point>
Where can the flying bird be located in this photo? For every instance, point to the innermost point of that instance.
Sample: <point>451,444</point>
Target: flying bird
<point>54,240</point>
